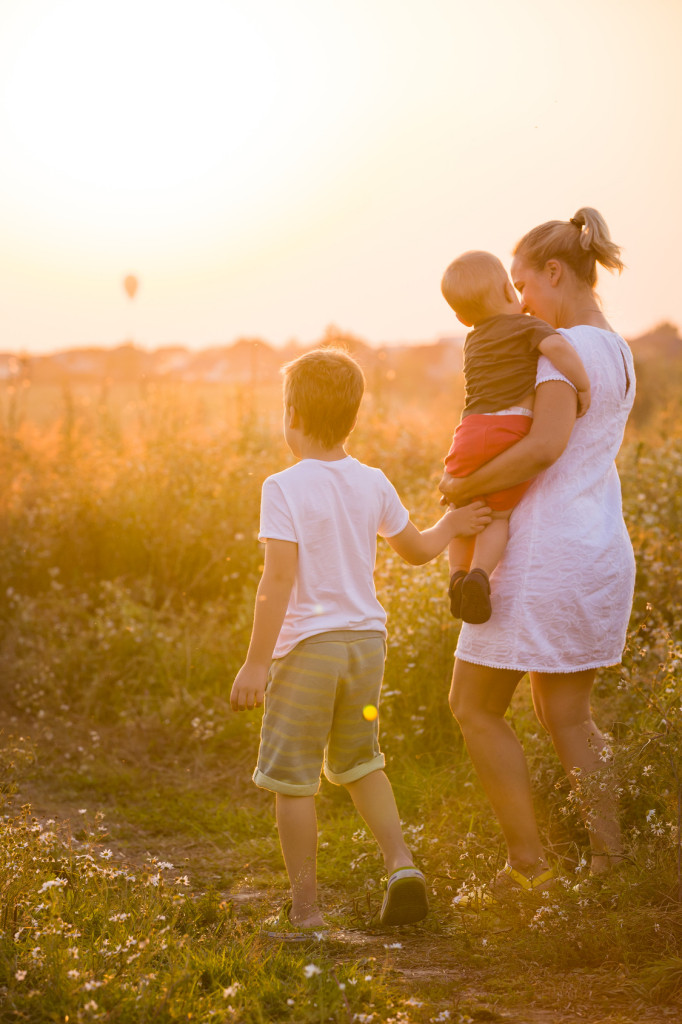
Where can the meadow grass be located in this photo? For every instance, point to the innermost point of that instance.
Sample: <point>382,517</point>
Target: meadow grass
<point>138,862</point>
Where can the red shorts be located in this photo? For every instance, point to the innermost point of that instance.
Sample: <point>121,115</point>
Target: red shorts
<point>478,439</point>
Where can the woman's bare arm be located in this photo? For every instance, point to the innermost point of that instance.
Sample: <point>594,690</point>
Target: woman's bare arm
<point>553,419</point>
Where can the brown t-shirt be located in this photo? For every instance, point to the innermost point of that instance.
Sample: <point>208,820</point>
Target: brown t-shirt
<point>500,361</point>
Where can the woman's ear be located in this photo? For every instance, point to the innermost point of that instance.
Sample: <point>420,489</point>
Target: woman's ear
<point>554,270</point>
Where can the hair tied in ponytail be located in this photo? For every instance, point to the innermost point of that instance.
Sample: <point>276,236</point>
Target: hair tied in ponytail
<point>579,224</point>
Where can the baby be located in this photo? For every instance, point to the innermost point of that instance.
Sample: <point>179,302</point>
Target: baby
<point>500,365</point>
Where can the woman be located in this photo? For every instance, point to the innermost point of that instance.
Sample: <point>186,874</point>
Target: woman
<point>563,592</point>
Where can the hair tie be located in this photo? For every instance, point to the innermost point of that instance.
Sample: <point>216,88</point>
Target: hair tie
<point>576,223</point>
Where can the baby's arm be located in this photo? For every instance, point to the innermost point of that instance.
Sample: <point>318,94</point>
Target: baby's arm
<point>272,598</point>
<point>418,547</point>
<point>567,361</point>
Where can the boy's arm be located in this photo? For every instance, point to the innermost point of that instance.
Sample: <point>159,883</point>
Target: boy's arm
<point>567,361</point>
<point>272,598</point>
<point>418,547</point>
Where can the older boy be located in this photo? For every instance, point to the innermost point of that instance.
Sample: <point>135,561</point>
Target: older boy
<point>500,366</point>
<point>318,644</point>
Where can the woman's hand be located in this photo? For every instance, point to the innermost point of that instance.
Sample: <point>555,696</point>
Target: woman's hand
<point>553,419</point>
<point>454,489</point>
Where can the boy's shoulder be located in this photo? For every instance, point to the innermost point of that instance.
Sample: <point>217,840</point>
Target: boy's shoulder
<point>311,469</point>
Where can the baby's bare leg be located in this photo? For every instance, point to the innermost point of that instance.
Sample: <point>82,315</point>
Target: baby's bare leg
<point>460,553</point>
<point>490,544</point>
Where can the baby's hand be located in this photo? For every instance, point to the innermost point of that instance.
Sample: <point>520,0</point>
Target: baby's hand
<point>470,519</point>
<point>584,402</point>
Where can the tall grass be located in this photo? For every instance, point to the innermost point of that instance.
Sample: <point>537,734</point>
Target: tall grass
<point>128,566</point>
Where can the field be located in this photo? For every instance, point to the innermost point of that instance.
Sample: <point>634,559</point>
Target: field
<point>137,859</point>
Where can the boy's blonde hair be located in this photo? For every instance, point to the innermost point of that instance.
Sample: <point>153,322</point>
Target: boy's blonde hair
<point>325,387</point>
<point>472,285</point>
<point>581,242</point>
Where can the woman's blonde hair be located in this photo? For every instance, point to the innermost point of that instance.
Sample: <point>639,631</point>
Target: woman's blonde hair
<point>581,242</point>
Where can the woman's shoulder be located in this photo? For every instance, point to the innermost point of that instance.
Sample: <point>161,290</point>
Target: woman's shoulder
<point>591,341</point>
<point>590,331</point>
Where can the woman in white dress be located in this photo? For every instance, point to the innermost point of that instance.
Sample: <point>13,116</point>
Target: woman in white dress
<point>562,593</point>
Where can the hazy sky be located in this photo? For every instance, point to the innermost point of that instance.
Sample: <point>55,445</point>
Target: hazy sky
<point>269,167</point>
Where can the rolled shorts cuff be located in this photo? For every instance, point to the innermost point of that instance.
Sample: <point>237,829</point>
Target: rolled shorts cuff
<point>358,772</point>
<point>285,788</point>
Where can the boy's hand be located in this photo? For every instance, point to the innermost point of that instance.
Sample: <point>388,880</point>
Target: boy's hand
<point>248,688</point>
<point>584,402</point>
<point>470,519</point>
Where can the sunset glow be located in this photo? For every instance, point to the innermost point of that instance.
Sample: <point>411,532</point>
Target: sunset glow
<point>268,169</point>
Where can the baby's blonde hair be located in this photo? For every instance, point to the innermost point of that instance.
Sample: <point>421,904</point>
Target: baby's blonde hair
<point>581,242</point>
<point>472,283</point>
<point>325,387</point>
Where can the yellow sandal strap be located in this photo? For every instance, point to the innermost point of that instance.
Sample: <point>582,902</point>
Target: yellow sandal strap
<point>523,881</point>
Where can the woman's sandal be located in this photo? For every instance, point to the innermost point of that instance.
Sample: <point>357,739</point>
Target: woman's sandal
<point>506,882</point>
<point>406,900</point>
<point>280,926</point>
<point>476,607</point>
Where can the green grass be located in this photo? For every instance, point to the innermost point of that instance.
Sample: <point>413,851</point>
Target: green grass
<point>128,567</point>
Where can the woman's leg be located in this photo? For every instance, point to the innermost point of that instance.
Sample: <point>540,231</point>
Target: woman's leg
<point>479,698</point>
<point>562,701</point>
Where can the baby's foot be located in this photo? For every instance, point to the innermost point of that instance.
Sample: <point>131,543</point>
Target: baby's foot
<point>455,593</point>
<point>476,605</point>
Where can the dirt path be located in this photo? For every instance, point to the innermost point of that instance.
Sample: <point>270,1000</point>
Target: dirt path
<point>423,965</point>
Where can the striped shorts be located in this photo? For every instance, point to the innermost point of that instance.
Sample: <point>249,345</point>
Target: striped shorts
<point>313,717</point>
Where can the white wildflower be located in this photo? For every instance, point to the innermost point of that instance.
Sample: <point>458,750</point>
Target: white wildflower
<point>54,883</point>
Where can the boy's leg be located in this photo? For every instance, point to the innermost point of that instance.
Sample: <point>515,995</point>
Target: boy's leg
<point>299,708</point>
<point>297,827</point>
<point>406,900</point>
<point>373,797</point>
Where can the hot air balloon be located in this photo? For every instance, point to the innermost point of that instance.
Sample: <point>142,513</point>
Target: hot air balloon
<point>130,284</point>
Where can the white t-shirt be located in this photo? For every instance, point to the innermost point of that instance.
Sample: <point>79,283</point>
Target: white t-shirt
<point>333,511</point>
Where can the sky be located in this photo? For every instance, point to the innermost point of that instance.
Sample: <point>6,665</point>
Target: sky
<point>268,169</point>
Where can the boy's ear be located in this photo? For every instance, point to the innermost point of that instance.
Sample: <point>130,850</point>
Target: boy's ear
<point>466,323</point>
<point>509,291</point>
<point>293,418</point>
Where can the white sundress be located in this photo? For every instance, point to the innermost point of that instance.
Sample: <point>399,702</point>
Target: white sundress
<point>562,592</point>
